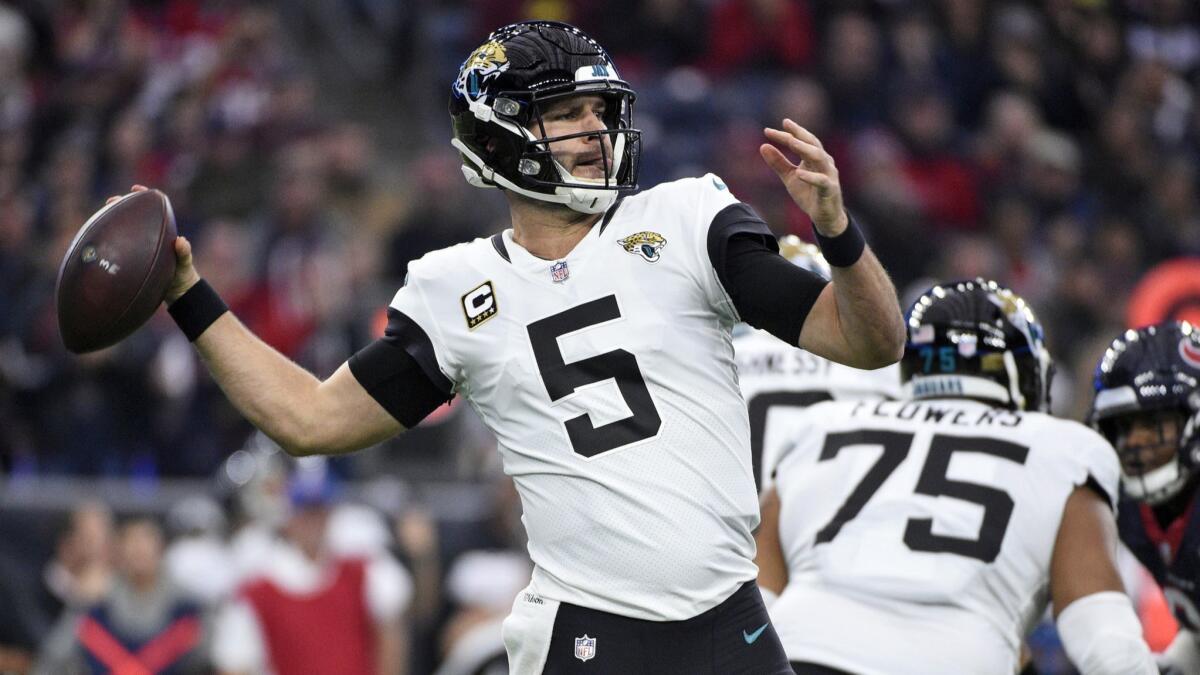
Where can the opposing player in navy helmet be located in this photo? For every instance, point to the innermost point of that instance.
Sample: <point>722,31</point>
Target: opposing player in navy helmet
<point>1147,404</point>
<point>925,536</point>
<point>593,337</point>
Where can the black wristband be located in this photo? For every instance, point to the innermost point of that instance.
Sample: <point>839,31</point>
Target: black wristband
<point>197,309</point>
<point>845,249</point>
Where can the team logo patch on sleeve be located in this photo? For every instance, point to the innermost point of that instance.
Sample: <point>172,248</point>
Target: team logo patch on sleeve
<point>646,244</point>
<point>479,304</point>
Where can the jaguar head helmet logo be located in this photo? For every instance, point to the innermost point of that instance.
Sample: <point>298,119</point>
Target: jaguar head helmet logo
<point>484,63</point>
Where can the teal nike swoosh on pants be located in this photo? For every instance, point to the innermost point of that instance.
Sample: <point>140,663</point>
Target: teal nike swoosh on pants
<point>751,637</point>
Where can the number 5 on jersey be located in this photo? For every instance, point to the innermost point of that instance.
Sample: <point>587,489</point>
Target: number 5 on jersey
<point>563,379</point>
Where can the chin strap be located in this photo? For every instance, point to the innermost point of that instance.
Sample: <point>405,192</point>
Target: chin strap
<point>1158,485</point>
<point>1014,381</point>
<point>582,200</point>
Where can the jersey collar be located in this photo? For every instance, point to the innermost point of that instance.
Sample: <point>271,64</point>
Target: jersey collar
<point>501,241</point>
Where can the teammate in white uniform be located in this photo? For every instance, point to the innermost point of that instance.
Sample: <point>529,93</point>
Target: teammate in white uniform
<point>778,380</point>
<point>594,339</point>
<point>927,535</point>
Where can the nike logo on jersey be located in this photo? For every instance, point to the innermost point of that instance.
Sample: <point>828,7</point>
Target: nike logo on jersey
<point>750,638</point>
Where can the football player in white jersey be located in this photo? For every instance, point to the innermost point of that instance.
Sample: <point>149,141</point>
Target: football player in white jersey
<point>927,535</point>
<point>778,380</point>
<point>593,338</point>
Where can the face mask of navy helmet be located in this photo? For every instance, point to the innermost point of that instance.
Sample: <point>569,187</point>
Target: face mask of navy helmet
<point>1152,373</point>
<point>501,93</point>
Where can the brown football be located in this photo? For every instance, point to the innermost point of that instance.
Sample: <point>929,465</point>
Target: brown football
<point>116,271</point>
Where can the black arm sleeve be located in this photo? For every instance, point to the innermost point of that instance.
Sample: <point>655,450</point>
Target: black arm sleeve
<point>400,371</point>
<point>768,292</point>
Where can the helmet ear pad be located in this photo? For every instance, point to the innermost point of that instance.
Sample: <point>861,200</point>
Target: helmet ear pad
<point>501,147</point>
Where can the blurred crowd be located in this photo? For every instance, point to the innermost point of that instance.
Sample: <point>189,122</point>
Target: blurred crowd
<point>288,570</point>
<point>1051,144</point>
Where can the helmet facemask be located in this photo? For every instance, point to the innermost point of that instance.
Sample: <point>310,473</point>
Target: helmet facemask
<point>537,159</point>
<point>1156,468</point>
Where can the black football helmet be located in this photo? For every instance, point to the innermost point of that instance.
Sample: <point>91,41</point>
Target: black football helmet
<point>501,92</point>
<point>976,339</point>
<point>1151,370</point>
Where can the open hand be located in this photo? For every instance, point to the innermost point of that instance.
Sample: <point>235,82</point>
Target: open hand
<point>813,183</point>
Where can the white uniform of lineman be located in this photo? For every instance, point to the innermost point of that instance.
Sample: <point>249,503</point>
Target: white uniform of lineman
<point>918,534</point>
<point>638,500</point>
<point>779,380</point>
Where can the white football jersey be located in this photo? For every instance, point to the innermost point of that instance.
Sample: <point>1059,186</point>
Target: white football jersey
<point>780,380</point>
<point>918,534</point>
<point>608,379</point>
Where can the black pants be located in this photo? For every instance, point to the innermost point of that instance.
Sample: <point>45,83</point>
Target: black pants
<point>732,638</point>
<point>807,668</point>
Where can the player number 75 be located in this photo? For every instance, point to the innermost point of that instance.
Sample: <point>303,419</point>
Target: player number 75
<point>918,534</point>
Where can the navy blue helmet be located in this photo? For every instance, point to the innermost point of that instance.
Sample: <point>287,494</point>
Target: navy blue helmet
<point>976,339</point>
<point>502,90</point>
<point>1152,372</point>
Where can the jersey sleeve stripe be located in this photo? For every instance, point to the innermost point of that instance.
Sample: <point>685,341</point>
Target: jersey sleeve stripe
<point>730,221</point>
<point>1095,486</point>
<point>408,334</point>
<point>768,291</point>
<point>392,377</point>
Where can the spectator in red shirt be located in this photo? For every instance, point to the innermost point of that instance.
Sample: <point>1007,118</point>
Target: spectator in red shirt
<point>308,609</point>
<point>944,182</point>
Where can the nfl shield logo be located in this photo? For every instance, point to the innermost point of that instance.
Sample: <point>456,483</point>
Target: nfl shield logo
<point>585,647</point>
<point>559,272</point>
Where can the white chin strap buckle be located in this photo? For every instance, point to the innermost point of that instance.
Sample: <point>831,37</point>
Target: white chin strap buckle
<point>1157,485</point>
<point>590,201</point>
